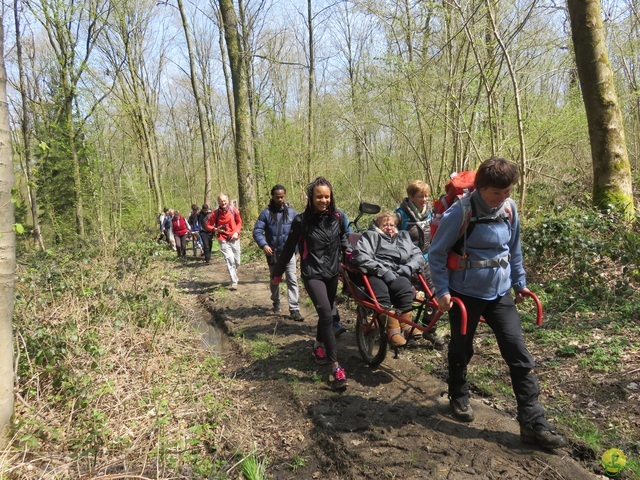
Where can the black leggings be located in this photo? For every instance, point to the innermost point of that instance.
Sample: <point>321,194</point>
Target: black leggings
<point>322,293</point>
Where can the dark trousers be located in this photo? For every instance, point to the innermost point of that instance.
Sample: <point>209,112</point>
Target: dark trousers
<point>207,238</point>
<point>502,317</point>
<point>398,294</point>
<point>322,293</point>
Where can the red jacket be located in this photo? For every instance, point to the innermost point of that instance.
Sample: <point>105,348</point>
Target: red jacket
<point>180,226</point>
<point>230,218</point>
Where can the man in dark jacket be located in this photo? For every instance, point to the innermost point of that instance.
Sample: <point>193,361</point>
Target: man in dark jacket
<point>270,233</point>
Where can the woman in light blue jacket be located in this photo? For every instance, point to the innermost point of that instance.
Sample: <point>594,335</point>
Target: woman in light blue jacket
<point>480,267</point>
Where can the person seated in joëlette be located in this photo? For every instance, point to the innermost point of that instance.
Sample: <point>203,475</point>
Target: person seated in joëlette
<point>389,258</point>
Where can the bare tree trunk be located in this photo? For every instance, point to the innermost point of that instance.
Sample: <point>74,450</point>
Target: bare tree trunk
<point>244,159</point>
<point>247,27</point>
<point>312,88</point>
<point>196,95</point>
<point>7,253</point>
<point>611,168</point>
<point>77,181</point>
<point>26,134</point>
<point>227,75</point>
<point>516,93</point>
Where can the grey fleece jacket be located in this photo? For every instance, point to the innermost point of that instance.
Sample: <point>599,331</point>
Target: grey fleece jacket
<point>378,254</point>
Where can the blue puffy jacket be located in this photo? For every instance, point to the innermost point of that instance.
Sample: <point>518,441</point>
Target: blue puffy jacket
<point>266,228</point>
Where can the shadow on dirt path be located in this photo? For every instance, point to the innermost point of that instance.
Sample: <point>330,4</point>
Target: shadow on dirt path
<point>392,422</point>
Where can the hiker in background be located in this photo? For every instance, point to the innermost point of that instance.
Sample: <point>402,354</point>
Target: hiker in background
<point>205,236</point>
<point>194,223</point>
<point>390,259</point>
<point>319,235</point>
<point>225,223</point>
<point>167,228</point>
<point>270,232</point>
<point>160,219</point>
<point>414,216</point>
<point>180,229</point>
<point>492,265</point>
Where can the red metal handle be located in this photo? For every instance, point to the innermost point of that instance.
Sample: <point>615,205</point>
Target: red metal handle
<point>463,314</point>
<point>538,305</point>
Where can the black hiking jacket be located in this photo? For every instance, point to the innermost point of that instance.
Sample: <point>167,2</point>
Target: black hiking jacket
<point>320,240</point>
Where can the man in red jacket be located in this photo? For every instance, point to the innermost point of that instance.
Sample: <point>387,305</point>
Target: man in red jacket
<point>225,223</point>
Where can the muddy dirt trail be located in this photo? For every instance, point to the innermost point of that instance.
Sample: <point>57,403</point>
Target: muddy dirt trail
<point>392,422</point>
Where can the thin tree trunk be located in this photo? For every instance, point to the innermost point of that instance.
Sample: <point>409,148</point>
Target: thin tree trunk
<point>312,101</point>
<point>611,168</point>
<point>26,134</point>
<point>227,75</point>
<point>77,180</point>
<point>520,123</point>
<point>244,159</point>
<point>7,253</point>
<point>196,95</point>
<point>253,103</point>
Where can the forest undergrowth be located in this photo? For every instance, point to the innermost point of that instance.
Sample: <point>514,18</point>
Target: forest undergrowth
<point>109,375</point>
<point>109,380</point>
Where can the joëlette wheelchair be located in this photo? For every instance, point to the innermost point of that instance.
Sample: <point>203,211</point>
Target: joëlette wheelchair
<point>371,336</point>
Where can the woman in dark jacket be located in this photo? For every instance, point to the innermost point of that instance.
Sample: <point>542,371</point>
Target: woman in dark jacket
<point>390,259</point>
<point>318,232</point>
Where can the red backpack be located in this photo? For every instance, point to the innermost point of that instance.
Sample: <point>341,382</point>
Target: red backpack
<point>461,183</point>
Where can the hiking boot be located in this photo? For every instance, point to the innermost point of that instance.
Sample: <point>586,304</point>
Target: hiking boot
<point>233,286</point>
<point>338,329</point>
<point>320,355</point>
<point>276,308</point>
<point>339,378</point>
<point>542,434</point>
<point>461,409</point>
<point>394,333</point>
<point>436,340</point>
<point>295,316</point>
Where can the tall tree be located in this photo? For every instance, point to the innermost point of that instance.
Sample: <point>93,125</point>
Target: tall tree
<point>239,79</point>
<point>611,168</point>
<point>196,95</point>
<point>7,252</point>
<point>312,92</point>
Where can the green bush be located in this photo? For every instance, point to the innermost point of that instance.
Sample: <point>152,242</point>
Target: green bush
<point>582,254</point>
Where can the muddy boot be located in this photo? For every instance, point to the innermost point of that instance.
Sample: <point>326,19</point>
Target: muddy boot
<point>436,340</point>
<point>459,393</point>
<point>534,427</point>
<point>408,332</point>
<point>394,333</point>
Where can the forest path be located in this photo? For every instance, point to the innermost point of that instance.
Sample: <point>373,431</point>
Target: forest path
<point>391,422</point>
